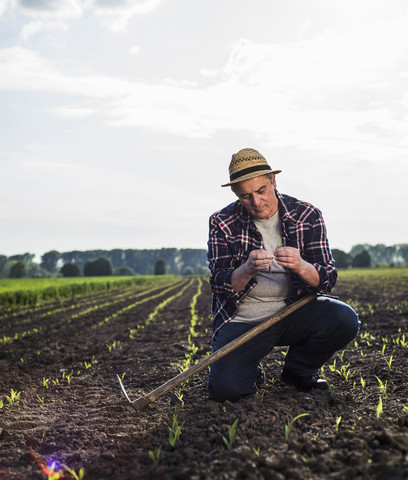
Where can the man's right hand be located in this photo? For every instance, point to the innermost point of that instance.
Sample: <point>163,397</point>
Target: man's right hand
<point>258,261</point>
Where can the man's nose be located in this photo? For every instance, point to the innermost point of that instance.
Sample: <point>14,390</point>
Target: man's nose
<point>256,201</point>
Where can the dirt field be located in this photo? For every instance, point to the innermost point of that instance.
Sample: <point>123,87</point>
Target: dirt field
<point>71,419</point>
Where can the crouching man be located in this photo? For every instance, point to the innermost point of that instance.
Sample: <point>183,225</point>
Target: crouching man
<point>265,251</point>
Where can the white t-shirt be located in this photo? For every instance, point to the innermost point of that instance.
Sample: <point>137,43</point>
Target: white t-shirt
<point>268,295</point>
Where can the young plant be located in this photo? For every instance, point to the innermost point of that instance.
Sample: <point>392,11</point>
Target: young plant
<point>77,476</point>
<point>363,383</point>
<point>174,430</point>
<point>231,435</point>
<point>155,456</point>
<point>379,409</point>
<point>338,420</point>
<point>383,386</point>
<point>389,362</point>
<point>289,423</point>
<point>14,398</point>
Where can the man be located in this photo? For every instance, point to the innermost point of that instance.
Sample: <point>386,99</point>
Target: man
<point>265,251</point>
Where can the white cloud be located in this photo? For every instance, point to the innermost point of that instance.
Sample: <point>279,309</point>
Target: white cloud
<point>38,26</point>
<point>116,16</point>
<point>324,94</point>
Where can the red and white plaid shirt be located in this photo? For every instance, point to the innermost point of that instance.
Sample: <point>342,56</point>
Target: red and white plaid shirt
<point>233,235</point>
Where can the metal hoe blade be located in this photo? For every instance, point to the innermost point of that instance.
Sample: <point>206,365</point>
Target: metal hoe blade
<point>123,389</point>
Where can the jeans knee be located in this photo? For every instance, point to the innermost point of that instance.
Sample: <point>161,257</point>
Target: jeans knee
<point>223,392</point>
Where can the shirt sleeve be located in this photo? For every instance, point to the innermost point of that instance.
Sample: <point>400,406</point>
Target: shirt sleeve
<point>318,253</point>
<point>220,260</point>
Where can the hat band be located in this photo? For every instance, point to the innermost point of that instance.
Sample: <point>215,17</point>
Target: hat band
<point>245,171</point>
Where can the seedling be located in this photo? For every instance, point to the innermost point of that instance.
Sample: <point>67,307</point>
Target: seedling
<point>338,420</point>
<point>231,435</point>
<point>289,423</point>
<point>14,398</point>
<point>363,383</point>
<point>77,476</point>
<point>379,408</point>
<point>155,456</point>
<point>174,430</point>
<point>1,403</point>
<point>260,397</point>
<point>257,451</point>
<point>389,362</point>
<point>405,409</point>
<point>383,387</point>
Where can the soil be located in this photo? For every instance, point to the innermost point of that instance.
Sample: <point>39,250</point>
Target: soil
<point>71,418</point>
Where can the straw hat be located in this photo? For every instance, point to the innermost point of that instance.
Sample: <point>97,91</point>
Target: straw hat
<point>247,163</point>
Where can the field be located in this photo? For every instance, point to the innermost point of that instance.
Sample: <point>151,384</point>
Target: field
<point>62,414</point>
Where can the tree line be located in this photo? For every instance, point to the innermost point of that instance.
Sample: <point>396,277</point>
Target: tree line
<point>168,261</point>
<point>171,261</point>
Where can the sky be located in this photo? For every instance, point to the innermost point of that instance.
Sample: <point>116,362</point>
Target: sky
<point>119,118</point>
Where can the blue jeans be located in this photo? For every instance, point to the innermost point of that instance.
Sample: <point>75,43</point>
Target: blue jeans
<point>314,333</point>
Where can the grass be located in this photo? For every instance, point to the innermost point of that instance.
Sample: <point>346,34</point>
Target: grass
<point>32,291</point>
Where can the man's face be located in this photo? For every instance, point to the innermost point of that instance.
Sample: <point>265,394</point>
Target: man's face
<point>258,196</point>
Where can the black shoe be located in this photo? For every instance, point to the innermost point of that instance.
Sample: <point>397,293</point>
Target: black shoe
<point>303,383</point>
<point>260,375</point>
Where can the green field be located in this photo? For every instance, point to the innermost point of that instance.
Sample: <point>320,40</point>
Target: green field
<point>32,291</point>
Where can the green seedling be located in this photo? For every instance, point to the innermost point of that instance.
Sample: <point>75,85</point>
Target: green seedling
<point>14,398</point>
<point>341,355</point>
<point>260,396</point>
<point>45,382</point>
<point>77,476</point>
<point>379,408</point>
<point>382,351</point>
<point>333,367</point>
<point>1,403</point>
<point>289,423</point>
<point>383,386</point>
<point>405,409</point>
<point>338,420</point>
<point>389,362</point>
<point>344,372</point>
<point>155,456</point>
<point>363,383</point>
<point>174,430</point>
<point>257,451</point>
<point>231,435</point>
<point>41,399</point>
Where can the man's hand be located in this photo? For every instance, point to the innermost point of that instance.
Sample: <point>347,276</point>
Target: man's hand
<point>289,257</point>
<point>258,261</point>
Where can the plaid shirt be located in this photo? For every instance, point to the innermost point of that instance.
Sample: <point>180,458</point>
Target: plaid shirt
<point>233,235</point>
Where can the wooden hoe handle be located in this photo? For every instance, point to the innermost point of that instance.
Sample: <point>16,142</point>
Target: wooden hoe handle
<point>151,397</point>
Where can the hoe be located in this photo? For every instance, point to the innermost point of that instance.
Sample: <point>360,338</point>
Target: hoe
<point>151,397</point>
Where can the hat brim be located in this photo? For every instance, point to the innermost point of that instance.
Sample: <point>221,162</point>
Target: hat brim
<point>251,175</point>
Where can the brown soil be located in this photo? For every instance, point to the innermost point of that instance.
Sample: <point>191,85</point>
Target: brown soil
<point>86,423</point>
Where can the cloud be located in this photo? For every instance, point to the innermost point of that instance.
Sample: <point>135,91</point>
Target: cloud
<point>115,14</point>
<point>339,93</point>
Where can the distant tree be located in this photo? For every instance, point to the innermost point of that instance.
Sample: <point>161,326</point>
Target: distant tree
<point>188,271</point>
<point>342,259</point>
<point>70,269</point>
<point>202,270</point>
<point>124,271</point>
<point>362,259</point>
<point>18,269</point>
<point>35,271</point>
<point>160,267</point>
<point>3,261</point>
<point>99,267</point>
<point>49,260</point>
